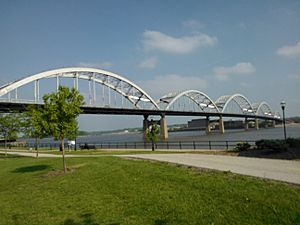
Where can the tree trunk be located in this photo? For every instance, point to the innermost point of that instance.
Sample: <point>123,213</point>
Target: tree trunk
<point>152,145</point>
<point>5,146</point>
<point>63,154</point>
<point>37,141</point>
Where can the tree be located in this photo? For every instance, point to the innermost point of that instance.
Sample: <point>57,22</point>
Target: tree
<point>60,112</point>
<point>152,133</point>
<point>34,125</point>
<point>9,127</point>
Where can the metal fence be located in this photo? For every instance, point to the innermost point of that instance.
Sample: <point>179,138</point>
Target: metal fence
<point>176,145</point>
<point>164,145</point>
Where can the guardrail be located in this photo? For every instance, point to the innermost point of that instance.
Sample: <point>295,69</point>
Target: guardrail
<point>165,145</point>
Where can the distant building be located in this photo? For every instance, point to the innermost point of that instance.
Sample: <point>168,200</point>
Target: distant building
<point>197,123</point>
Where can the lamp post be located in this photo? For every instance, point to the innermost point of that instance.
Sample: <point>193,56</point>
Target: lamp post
<point>283,115</point>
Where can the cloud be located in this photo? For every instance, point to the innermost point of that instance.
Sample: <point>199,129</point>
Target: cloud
<point>243,68</point>
<point>289,51</point>
<point>193,24</point>
<point>155,40</point>
<point>101,65</point>
<point>162,85</point>
<point>149,63</point>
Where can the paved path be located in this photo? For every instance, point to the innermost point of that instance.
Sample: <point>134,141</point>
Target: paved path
<point>282,170</point>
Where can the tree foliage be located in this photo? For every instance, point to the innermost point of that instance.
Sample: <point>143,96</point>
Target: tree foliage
<point>60,111</point>
<point>34,125</point>
<point>9,126</point>
<point>152,133</point>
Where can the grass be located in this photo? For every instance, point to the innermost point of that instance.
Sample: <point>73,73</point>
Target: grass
<point>109,190</point>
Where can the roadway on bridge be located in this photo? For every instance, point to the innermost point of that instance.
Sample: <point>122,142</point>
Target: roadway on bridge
<point>274,169</point>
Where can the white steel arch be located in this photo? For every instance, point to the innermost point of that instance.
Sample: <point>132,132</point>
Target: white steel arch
<point>277,115</point>
<point>202,100</point>
<point>129,90</point>
<point>244,104</point>
<point>263,107</point>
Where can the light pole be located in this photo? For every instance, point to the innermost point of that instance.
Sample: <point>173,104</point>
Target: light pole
<point>283,117</point>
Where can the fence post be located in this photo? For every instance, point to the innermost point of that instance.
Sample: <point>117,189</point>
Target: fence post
<point>209,144</point>
<point>227,145</point>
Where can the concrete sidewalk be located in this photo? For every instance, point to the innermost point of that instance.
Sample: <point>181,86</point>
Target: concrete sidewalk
<point>282,170</point>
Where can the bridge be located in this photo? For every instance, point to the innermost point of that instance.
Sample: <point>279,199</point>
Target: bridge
<point>109,93</point>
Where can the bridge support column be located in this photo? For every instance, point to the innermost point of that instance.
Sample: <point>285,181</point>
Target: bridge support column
<point>221,125</point>
<point>207,130</point>
<point>163,128</point>
<point>273,123</point>
<point>246,124</point>
<point>266,124</point>
<point>256,124</point>
<point>145,126</point>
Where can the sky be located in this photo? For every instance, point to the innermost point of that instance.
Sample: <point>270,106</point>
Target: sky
<point>217,47</point>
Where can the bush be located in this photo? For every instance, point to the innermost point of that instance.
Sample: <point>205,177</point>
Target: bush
<point>242,146</point>
<point>276,144</point>
<point>293,142</point>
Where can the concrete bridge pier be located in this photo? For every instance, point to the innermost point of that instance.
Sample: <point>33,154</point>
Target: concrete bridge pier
<point>246,124</point>
<point>163,128</point>
<point>207,123</point>
<point>273,123</point>
<point>221,125</point>
<point>256,124</point>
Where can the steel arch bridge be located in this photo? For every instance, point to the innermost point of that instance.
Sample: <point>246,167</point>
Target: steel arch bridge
<point>201,100</point>
<point>109,93</point>
<point>127,89</point>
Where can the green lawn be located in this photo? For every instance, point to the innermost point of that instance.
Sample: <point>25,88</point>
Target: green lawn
<point>110,190</point>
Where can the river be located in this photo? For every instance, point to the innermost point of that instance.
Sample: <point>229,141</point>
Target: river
<point>293,130</point>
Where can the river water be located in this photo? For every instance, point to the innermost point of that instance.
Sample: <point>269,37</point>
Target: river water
<point>293,130</point>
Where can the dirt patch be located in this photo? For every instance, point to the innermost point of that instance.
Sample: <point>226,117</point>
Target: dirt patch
<point>57,173</point>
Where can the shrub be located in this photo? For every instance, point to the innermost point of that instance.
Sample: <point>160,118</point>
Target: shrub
<point>276,144</point>
<point>293,142</point>
<point>242,146</point>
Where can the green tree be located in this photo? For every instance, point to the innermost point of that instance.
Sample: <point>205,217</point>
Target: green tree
<point>9,127</point>
<point>34,125</point>
<point>60,112</point>
<point>152,133</point>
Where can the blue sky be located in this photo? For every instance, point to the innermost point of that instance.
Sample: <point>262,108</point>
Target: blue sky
<point>218,47</point>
